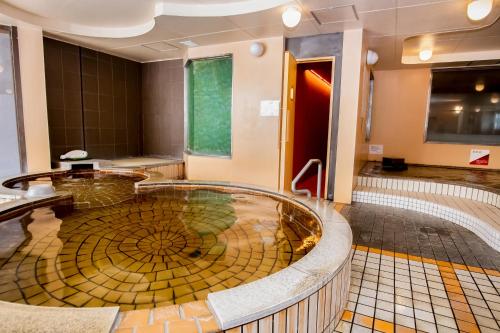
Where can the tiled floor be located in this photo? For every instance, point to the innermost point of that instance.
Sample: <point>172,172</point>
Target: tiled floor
<point>164,247</point>
<point>473,177</point>
<point>412,272</point>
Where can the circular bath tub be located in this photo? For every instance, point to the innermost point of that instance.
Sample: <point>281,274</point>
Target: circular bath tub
<point>249,254</point>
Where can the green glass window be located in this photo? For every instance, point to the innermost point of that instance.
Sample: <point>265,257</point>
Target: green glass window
<point>209,102</point>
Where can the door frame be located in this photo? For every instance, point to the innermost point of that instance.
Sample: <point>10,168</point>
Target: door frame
<point>287,120</point>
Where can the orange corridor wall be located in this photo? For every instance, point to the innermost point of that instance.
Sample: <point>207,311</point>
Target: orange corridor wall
<point>399,112</point>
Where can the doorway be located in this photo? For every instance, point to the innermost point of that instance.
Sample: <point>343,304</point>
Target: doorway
<point>306,121</point>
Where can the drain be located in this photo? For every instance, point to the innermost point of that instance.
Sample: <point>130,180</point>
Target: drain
<point>195,254</point>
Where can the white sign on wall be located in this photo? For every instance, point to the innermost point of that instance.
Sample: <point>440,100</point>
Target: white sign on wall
<point>376,149</point>
<point>269,108</point>
<point>479,157</point>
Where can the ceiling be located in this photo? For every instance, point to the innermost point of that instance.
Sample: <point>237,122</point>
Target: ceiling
<point>151,30</point>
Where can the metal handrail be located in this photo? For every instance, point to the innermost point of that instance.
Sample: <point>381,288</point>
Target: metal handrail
<point>302,172</point>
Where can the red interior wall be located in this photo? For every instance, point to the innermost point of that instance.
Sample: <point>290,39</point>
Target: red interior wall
<point>312,110</point>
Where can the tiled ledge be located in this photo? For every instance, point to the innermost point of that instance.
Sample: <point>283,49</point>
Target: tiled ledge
<point>422,186</point>
<point>481,218</point>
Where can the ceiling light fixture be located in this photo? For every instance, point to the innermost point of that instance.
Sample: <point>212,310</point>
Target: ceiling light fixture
<point>479,86</point>
<point>495,99</point>
<point>479,9</point>
<point>425,54</point>
<point>291,17</point>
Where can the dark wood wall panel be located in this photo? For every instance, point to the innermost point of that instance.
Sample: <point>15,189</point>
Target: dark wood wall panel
<point>163,108</point>
<point>64,103</point>
<point>99,98</point>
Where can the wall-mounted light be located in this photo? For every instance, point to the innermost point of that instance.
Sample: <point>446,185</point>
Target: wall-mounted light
<point>478,109</point>
<point>458,108</point>
<point>479,86</point>
<point>371,57</point>
<point>257,49</point>
<point>425,54</point>
<point>1,69</point>
<point>479,9</point>
<point>291,17</point>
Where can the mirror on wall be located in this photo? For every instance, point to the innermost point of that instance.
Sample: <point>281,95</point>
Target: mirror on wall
<point>369,109</point>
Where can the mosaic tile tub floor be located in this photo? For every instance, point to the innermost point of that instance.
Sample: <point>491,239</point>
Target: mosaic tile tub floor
<point>163,247</point>
<point>412,272</point>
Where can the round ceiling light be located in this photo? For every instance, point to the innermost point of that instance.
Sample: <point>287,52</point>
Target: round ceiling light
<point>291,17</point>
<point>479,86</point>
<point>425,54</point>
<point>495,98</point>
<point>479,9</point>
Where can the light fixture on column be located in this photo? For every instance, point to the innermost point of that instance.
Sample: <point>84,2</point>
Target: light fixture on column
<point>371,57</point>
<point>479,9</point>
<point>291,17</point>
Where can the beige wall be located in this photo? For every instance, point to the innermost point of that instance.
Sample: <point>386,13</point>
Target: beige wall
<point>32,70</point>
<point>350,148</point>
<point>400,106</point>
<point>255,139</point>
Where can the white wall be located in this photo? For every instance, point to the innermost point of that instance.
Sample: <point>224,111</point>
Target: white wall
<point>255,142</point>
<point>32,69</point>
<point>349,121</point>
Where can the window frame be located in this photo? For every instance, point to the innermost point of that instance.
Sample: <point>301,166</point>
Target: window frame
<point>428,110</point>
<point>187,151</point>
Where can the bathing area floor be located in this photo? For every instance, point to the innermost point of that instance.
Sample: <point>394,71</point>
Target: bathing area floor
<point>412,272</point>
<point>462,176</point>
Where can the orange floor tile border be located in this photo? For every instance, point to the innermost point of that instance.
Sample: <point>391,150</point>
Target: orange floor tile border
<point>442,264</point>
<point>463,314</point>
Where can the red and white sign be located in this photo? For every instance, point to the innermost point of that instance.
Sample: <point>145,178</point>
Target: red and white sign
<point>479,157</point>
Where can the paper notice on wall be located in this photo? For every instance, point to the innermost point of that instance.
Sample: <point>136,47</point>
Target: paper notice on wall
<point>376,149</point>
<point>269,108</point>
<point>479,157</point>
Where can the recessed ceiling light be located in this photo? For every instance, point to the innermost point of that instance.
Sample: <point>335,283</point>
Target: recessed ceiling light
<point>425,54</point>
<point>188,43</point>
<point>291,17</point>
<point>479,9</point>
<point>479,86</point>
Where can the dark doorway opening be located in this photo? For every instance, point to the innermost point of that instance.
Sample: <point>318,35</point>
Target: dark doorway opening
<point>312,117</point>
